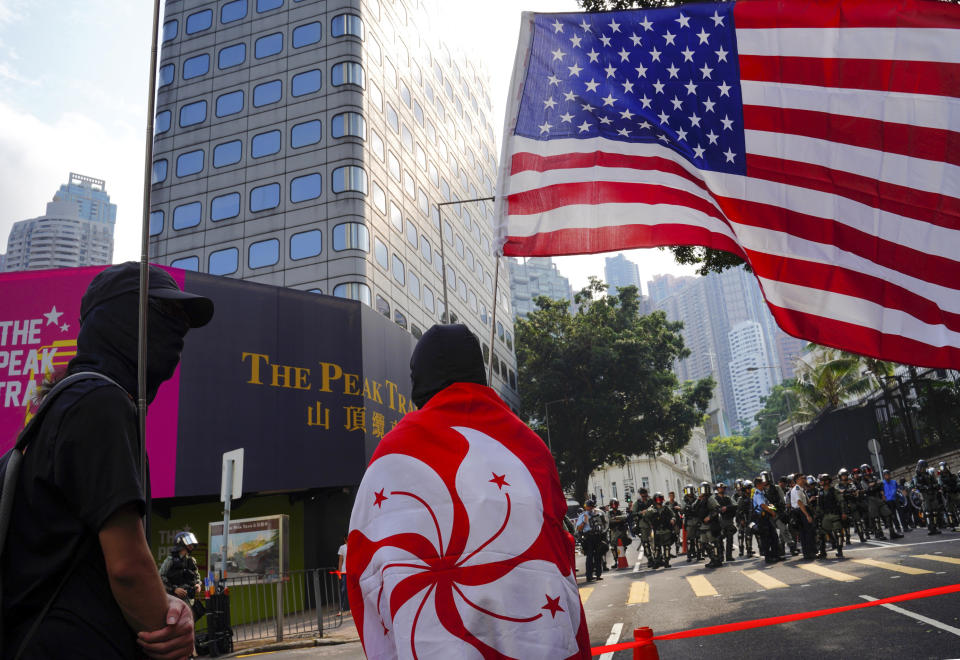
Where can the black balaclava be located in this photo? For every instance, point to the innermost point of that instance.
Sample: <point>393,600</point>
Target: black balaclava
<point>446,354</point>
<point>107,343</point>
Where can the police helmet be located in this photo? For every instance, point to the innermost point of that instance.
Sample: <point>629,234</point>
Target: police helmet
<point>843,473</point>
<point>886,471</point>
<point>791,477</point>
<point>944,467</point>
<point>856,471</point>
<point>932,472</point>
<point>746,485</point>
<point>921,466</point>
<point>721,484</point>
<point>658,498</point>
<point>705,488</point>
<point>185,539</point>
<point>737,482</point>
<point>811,480</point>
<point>825,477</point>
<point>866,469</point>
<point>689,489</point>
<point>590,503</point>
<point>614,501</point>
<point>765,475</point>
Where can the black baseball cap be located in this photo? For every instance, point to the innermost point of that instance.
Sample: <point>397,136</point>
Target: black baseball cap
<point>125,278</point>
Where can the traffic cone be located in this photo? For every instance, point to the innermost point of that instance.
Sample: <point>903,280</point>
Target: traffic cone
<point>647,650</point>
<point>621,554</point>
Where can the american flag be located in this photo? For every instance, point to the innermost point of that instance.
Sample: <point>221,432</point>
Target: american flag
<point>820,141</point>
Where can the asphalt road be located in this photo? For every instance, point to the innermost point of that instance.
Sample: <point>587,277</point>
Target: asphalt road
<point>688,596</point>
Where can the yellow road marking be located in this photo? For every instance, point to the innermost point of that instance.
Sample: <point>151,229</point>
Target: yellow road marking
<point>701,586</point>
<point>639,592</point>
<point>828,572</point>
<point>909,570</point>
<point>764,580</point>
<point>946,560</point>
<point>585,593</point>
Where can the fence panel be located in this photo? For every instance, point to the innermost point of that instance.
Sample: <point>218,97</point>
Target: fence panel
<point>303,603</point>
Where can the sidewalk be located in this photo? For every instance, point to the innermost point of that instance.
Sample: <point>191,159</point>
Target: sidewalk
<point>346,633</point>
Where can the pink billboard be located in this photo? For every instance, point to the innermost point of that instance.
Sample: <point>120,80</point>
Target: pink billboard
<point>39,322</point>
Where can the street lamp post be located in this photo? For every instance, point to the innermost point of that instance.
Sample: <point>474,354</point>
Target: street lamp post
<point>546,407</point>
<point>786,397</point>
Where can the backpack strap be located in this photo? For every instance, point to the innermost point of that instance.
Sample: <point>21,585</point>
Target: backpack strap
<point>11,475</point>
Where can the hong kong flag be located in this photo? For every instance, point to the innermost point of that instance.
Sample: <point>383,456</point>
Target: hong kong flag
<point>456,546</point>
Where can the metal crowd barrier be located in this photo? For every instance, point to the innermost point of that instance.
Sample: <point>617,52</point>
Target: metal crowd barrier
<point>303,603</point>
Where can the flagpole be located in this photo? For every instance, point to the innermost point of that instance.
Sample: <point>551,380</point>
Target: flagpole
<point>493,318</point>
<point>443,259</point>
<point>145,271</point>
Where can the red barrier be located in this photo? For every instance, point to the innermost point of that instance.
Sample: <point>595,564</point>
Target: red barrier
<point>775,620</point>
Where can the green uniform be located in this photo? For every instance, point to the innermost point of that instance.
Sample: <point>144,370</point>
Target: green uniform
<point>661,521</point>
<point>830,505</point>
<point>728,526</point>
<point>643,528</point>
<point>707,507</point>
<point>692,524</point>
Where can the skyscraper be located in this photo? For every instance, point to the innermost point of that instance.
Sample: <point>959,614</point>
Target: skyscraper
<point>710,307</point>
<point>306,144</point>
<point>537,276</point>
<point>750,373</point>
<point>76,230</point>
<point>619,272</point>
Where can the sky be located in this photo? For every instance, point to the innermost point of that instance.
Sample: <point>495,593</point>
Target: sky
<point>73,98</point>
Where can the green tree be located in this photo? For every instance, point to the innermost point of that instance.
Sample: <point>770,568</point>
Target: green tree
<point>606,372</point>
<point>830,380</point>
<point>735,456</point>
<point>776,409</point>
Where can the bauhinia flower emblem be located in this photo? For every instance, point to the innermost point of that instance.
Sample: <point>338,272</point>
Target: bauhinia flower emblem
<point>453,555</point>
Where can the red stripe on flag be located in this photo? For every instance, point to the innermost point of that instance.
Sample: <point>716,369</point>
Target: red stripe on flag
<point>623,237</point>
<point>835,14</point>
<point>830,277</point>
<point>938,78</point>
<point>866,341</point>
<point>548,198</point>
<point>914,141</point>
<point>924,266</point>
<point>526,162</point>
<point>939,210</point>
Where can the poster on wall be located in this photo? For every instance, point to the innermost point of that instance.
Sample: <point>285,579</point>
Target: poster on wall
<point>257,547</point>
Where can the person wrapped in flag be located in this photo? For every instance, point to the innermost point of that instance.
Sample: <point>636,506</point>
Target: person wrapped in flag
<point>456,546</point>
<point>815,140</point>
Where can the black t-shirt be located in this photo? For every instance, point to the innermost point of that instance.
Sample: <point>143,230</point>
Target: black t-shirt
<point>79,469</point>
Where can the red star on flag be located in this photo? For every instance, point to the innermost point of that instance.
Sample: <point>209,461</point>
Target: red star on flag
<point>380,498</point>
<point>553,606</point>
<point>500,480</point>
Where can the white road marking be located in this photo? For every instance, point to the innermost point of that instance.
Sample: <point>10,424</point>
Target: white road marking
<point>612,639</point>
<point>860,546</point>
<point>918,617</point>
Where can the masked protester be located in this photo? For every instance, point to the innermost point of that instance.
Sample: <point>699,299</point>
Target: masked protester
<point>456,538</point>
<point>80,574</point>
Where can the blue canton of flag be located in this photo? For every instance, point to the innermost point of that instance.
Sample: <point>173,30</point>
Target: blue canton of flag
<point>659,76</point>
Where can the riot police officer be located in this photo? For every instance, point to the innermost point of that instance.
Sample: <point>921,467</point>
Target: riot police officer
<point>691,523</point>
<point>950,486</point>
<point>777,500</point>
<point>927,485</point>
<point>830,505</point>
<point>851,494</point>
<point>642,529</point>
<point>179,572</point>
<point>728,513</point>
<point>617,521</point>
<point>591,525</point>
<point>707,511</point>
<point>745,523</point>
<point>661,521</point>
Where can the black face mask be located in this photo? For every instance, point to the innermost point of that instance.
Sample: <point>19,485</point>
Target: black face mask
<point>108,343</point>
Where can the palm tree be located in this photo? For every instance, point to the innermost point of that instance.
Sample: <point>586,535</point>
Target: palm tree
<point>830,380</point>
